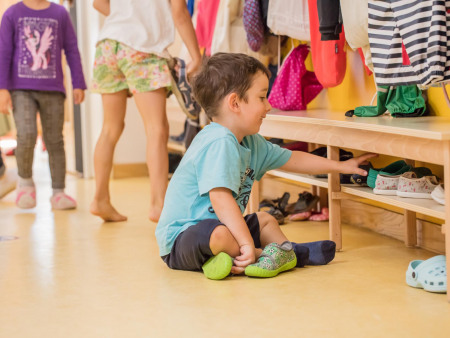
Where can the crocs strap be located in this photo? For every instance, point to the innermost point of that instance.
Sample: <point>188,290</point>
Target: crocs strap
<point>272,260</point>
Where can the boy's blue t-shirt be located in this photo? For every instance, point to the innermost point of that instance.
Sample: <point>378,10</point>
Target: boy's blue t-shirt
<point>214,159</point>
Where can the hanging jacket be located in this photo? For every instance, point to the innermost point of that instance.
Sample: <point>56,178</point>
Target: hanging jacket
<point>423,28</point>
<point>206,21</point>
<point>330,19</point>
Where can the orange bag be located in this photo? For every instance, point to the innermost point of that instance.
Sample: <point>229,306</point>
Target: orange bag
<point>329,57</point>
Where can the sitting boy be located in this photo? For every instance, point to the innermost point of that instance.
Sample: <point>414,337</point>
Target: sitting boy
<point>201,225</point>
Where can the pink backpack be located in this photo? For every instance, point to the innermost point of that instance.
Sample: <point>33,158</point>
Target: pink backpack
<point>294,87</point>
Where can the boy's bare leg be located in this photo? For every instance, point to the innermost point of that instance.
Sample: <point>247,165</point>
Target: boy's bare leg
<point>114,108</point>
<point>269,229</point>
<point>223,241</point>
<point>152,107</point>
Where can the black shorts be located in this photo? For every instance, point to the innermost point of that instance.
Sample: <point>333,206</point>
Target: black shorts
<point>191,248</point>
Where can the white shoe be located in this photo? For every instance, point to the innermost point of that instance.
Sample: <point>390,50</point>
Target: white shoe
<point>62,201</point>
<point>438,194</point>
<point>8,182</point>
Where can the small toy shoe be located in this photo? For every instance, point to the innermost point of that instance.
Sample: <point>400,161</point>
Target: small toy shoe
<point>273,260</point>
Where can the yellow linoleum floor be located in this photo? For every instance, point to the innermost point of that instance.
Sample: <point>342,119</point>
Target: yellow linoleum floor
<point>69,275</point>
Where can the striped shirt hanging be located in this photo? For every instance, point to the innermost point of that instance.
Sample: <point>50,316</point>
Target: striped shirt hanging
<point>423,27</point>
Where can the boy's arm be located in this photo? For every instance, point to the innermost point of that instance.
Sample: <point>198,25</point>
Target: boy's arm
<point>230,215</point>
<point>305,163</point>
<point>102,6</point>
<point>185,28</point>
<point>72,53</point>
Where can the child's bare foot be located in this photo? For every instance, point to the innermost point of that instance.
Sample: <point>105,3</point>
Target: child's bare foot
<point>106,211</point>
<point>154,213</point>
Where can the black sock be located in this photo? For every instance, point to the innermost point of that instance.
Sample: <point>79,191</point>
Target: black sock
<point>302,253</point>
<point>320,252</point>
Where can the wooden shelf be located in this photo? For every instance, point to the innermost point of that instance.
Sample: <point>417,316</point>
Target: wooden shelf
<point>419,205</point>
<point>320,182</point>
<point>422,206</point>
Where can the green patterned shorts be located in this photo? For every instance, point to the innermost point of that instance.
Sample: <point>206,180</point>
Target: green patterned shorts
<point>118,67</point>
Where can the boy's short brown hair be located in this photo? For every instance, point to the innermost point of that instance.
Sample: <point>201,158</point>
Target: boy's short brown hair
<point>222,74</point>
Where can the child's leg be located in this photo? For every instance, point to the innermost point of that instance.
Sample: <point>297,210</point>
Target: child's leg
<point>207,246</point>
<point>25,110</point>
<point>270,232</point>
<point>114,108</point>
<point>51,111</point>
<point>152,107</point>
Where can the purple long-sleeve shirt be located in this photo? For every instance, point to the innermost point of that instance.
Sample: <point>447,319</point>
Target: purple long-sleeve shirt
<point>31,42</point>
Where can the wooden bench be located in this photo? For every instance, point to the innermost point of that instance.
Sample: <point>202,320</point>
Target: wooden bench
<point>425,139</point>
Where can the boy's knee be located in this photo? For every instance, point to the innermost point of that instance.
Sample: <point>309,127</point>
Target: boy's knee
<point>222,240</point>
<point>264,218</point>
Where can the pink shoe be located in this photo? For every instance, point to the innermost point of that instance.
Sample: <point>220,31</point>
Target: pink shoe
<point>26,197</point>
<point>62,201</point>
<point>301,216</point>
<point>323,215</point>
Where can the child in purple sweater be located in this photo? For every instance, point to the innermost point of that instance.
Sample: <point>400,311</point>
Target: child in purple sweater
<point>33,34</point>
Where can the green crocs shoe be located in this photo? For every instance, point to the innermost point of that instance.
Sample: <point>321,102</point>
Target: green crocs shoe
<point>218,267</point>
<point>273,260</point>
<point>394,169</point>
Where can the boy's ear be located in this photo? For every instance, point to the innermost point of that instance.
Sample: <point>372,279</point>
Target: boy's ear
<point>233,102</point>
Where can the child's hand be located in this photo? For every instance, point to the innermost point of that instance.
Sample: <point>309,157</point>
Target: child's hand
<point>247,257</point>
<point>352,166</point>
<point>78,96</point>
<point>5,102</point>
<point>193,66</point>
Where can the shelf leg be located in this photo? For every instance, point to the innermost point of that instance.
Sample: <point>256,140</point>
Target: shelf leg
<point>334,204</point>
<point>410,228</point>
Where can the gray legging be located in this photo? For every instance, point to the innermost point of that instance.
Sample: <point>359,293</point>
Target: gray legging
<point>50,105</point>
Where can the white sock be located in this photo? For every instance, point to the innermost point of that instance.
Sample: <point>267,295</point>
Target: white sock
<point>57,191</point>
<point>25,182</point>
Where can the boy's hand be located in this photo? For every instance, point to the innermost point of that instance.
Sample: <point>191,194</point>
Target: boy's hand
<point>192,67</point>
<point>78,96</point>
<point>351,166</point>
<point>247,257</point>
<point>5,102</point>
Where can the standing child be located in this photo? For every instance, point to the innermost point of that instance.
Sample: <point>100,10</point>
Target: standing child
<point>33,34</point>
<point>202,226</point>
<point>131,60</point>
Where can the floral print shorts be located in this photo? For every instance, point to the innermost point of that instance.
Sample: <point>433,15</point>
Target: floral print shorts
<point>118,67</point>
